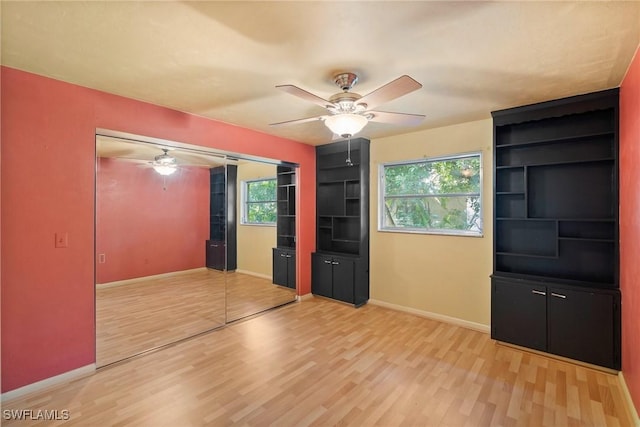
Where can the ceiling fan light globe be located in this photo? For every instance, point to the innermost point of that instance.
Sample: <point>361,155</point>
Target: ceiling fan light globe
<point>346,124</point>
<point>165,164</point>
<point>165,169</point>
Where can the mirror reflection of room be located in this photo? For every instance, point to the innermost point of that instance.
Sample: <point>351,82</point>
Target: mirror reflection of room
<point>152,287</point>
<point>263,216</point>
<point>185,243</point>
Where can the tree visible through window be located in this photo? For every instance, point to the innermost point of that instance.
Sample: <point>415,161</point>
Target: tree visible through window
<point>259,202</point>
<point>440,195</point>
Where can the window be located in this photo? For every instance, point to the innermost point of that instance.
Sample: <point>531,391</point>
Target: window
<point>259,201</point>
<point>439,195</point>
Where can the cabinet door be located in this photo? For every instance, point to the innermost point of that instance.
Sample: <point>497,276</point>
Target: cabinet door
<point>321,275</point>
<point>519,314</point>
<point>215,254</point>
<point>343,279</point>
<point>280,267</point>
<point>581,326</point>
<point>291,269</point>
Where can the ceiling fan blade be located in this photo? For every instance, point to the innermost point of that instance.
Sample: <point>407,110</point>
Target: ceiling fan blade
<point>295,122</point>
<point>308,96</point>
<point>197,159</point>
<point>392,90</point>
<point>395,118</point>
<point>130,160</point>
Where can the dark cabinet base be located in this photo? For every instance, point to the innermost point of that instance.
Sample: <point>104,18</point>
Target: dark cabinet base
<point>519,314</point>
<point>569,321</point>
<point>581,326</point>
<point>215,254</point>
<point>340,277</point>
<point>284,267</point>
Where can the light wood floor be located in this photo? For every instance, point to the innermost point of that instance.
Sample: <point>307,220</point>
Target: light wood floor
<point>134,318</point>
<point>323,363</point>
<point>247,295</point>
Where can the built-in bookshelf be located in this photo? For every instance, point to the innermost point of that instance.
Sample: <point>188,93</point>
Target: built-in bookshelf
<point>340,265</point>
<point>556,227</point>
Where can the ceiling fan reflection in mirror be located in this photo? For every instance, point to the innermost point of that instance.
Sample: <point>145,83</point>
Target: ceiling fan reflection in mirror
<point>165,164</point>
<point>349,112</point>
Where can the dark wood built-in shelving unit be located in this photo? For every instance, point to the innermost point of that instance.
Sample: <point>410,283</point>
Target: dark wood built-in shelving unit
<point>555,282</point>
<point>284,255</point>
<point>340,265</point>
<point>221,246</point>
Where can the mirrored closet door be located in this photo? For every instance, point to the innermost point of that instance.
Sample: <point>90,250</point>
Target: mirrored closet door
<point>253,286</point>
<point>152,225</point>
<point>186,241</point>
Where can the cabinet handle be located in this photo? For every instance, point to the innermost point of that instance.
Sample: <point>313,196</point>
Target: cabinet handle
<point>288,256</point>
<point>283,255</point>
<point>214,246</point>
<point>538,292</point>
<point>335,263</point>
<point>327,262</point>
<point>553,294</point>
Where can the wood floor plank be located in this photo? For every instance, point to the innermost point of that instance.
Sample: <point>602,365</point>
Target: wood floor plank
<point>156,311</point>
<point>320,363</point>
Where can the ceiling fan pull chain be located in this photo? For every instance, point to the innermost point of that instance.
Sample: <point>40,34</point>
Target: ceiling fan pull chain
<point>349,162</point>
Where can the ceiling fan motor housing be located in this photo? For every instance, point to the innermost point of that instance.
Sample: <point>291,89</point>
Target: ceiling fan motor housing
<point>345,102</point>
<point>345,81</point>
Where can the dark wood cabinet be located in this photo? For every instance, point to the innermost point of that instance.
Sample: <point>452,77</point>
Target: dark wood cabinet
<point>518,314</point>
<point>335,277</point>
<point>216,254</point>
<point>556,226</point>
<point>581,325</point>
<point>322,275</point>
<point>284,255</point>
<point>284,267</point>
<point>571,321</point>
<point>342,234</point>
<point>221,247</point>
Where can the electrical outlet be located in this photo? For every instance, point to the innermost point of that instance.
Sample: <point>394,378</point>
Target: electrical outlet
<point>62,240</point>
<point>102,258</point>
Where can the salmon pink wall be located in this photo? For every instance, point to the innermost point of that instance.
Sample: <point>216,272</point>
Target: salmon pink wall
<point>148,224</point>
<point>630,227</point>
<point>48,189</point>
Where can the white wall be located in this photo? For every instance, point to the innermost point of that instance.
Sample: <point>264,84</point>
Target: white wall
<point>444,275</point>
<point>255,243</point>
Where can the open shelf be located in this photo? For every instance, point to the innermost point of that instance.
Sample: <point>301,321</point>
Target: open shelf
<point>556,140</point>
<point>569,127</point>
<point>286,207</point>
<point>555,193</point>
<point>571,191</point>
<point>341,199</point>
<point>510,205</point>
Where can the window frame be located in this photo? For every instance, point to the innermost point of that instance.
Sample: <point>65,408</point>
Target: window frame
<point>244,213</point>
<point>437,231</point>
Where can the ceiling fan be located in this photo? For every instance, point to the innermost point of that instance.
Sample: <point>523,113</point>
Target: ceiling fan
<point>349,112</point>
<point>165,164</point>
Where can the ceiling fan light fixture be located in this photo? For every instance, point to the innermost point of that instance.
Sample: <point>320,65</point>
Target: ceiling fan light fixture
<point>164,164</point>
<point>165,169</point>
<point>346,125</point>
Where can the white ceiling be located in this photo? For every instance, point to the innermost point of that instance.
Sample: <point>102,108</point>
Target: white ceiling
<point>223,59</point>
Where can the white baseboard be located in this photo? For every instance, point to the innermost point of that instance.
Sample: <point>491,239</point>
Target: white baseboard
<point>630,405</point>
<point>49,382</point>
<point>139,279</point>
<point>435,316</point>
<point>251,273</point>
